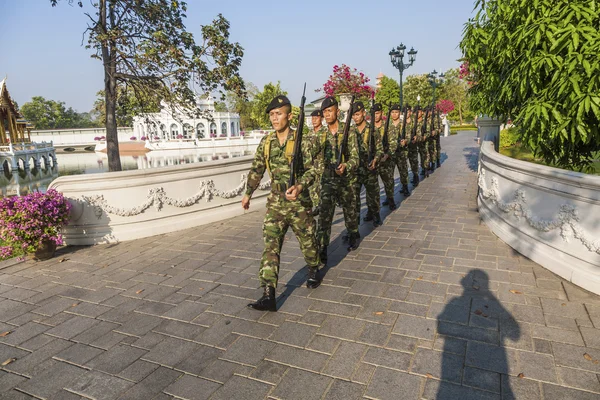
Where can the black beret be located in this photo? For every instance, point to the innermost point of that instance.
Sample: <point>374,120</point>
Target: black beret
<point>358,106</point>
<point>316,113</point>
<point>277,102</point>
<point>377,107</point>
<point>395,107</point>
<point>328,102</point>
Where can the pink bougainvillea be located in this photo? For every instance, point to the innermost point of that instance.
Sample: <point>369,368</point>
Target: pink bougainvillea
<point>445,106</point>
<point>347,80</point>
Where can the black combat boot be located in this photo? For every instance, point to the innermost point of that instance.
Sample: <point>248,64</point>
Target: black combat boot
<point>323,255</point>
<point>377,221</point>
<point>353,241</point>
<point>426,173</point>
<point>415,180</point>
<point>405,191</point>
<point>386,202</point>
<point>314,278</point>
<point>392,205</point>
<point>267,302</point>
<point>368,217</point>
<point>432,166</point>
<point>438,163</point>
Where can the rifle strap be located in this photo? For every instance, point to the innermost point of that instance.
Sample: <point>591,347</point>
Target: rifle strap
<point>289,150</point>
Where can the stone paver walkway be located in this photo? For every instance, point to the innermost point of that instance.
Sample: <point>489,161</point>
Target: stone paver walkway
<point>431,306</point>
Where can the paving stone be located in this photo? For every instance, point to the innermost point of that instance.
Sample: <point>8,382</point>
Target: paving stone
<point>345,360</point>
<point>345,310</point>
<point>248,351</point>
<point>294,386</point>
<point>186,311</point>
<point>556,321</point>
<point>99,386</point>
<point>269,372</point>
<point>449,312</point>
<point>446,366</point>
<point>8,381</point>
<point>388,384</point>
<point>340,327</point>
<point>403,307</point>
<point>563,308</point>
<point>408,325</point>
<point>294,334</point>
<point>542,346</point>
<point>567,355</point>
<point>52,380</point>
<point>432,288</point>
<point>139,324</point>
<point>557,335</point>
<point>72,327</point>
<point>199,360</point>
<point>238,387</point>
<point>170,352</point>
<point>78,354</point>
<point>553,392</point>
<point>343,390</point>
<point>116,359</point>
<point>491,358</point>
<point>467,332</point>
<point>481,379</point>
<point>298,358</point>
<point>221,371</point>
<point>537,366</point>
<point>439,390</point>
<point>24,333</point>
<point>137,371</point>
<point>375,334</point>
<point>387,358</point>
<point>191,388</point>
<point>591,337</point>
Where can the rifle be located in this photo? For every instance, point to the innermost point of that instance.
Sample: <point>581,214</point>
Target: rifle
<point>371,146</point>
<point>439,120</point>
<point>433,120</point>
<point>386,130</point>
<point>404,121</point>
<point>424,127</point>
<point>344,145</point>
<point>296,163</point>
<point>416,110</point>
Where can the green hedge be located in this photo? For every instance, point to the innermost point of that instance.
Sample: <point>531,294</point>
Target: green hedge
<point>509,137</point>
<point>456,128</point>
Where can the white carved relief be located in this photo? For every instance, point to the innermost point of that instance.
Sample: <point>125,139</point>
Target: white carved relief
<point>567,220</point>
<point>158,197</point>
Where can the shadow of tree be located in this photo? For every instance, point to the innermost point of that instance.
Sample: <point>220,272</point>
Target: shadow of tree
<point>472,157</point>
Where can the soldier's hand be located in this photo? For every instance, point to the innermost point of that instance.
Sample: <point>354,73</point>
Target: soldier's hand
<point>403,142</point>
<point>414,139</point>
<point>292,193</point>
<point>385,157</point>
<point>340,169</point>
<point>246,202</point>
<point>373,165</point>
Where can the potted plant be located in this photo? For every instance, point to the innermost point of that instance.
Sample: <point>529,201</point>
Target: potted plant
<point>33,223</point>
<point>344,82</point>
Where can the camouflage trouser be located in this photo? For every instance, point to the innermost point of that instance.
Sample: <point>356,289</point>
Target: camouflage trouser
<point>315,192</point>
<point>432,150</point>
<point>423,155</point>
<point>401,161</point>
<point>413,158</point>
<point>370,181</point>
<point>281,214</point>
<point>336,189</point>
<point>386,172</point>
<point>438,148</point>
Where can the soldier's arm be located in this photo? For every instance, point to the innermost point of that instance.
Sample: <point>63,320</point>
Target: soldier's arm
<point>258,168</point>
<point>392,138</point>
<point>352,161</point>
<point>378,144</point>
<point>319,153</point>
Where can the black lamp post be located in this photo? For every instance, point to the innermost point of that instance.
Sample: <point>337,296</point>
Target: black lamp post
<point>435,81</point>
<point>397,58</point>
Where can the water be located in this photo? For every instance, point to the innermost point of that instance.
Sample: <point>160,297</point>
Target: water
<point>25,182</point>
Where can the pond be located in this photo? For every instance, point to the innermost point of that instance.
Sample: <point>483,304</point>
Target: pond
<point>78,163</point>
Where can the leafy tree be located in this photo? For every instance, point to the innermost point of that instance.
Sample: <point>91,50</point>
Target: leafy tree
<point>536,62</point>
<point>50,114</point>
<point>388,93</point>
<point>220,106</point>
<point>455,89</point>
<point>243,106</point>
<point>260,102</point>
<point>145,45</point>
<point>416,85</point>
<point>128,106</point>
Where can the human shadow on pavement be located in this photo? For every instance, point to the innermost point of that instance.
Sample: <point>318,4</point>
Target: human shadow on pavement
<point>472,157</point>
<point>478,321</point>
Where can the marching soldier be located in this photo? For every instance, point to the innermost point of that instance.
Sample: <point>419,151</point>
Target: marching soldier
<point>286,206</point>
<point>337,182</point>
<point>367,173</point>
<point>422,131</point>
<point>386,166</point>
<point>438,146</point>
<point>318,135</point>
<point>413,150</point>
<point>400,157</point>
<point>431,144</point>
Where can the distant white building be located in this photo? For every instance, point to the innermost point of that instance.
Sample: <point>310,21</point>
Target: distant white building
<point>166,125</point>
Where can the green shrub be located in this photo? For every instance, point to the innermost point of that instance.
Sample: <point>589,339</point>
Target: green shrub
<point>509,137</point>
<point>456,128</point>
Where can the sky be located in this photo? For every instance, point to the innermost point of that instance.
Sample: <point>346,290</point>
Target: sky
<point>288,41</point>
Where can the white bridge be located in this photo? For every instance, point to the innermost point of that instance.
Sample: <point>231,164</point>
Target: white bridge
<point>21,155</point>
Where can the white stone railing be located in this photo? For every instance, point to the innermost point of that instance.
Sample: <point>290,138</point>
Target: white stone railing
<point>549,215</point>
<point>117,206</point>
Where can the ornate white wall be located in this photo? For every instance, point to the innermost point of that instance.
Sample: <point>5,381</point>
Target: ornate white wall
<point>550,215</point>
<point>117,206</point>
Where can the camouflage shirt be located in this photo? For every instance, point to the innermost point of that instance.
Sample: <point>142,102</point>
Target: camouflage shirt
<point>332,148</point>
<point>318,138</point>
<point>363,145</point>
<point>392,138</point>
<point>279,164</point>
<point>395,134</point>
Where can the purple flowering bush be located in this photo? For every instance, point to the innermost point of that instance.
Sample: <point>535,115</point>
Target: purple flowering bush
<point>27,221</point>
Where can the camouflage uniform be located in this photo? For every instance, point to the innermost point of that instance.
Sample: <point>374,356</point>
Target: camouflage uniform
<point>338,188</point>
<point>281,213</point>
<point>438,146</point>
<point>423,147</point>
<point>366,177</point>
<point>431,145</point>
<point>318,138</point>
<point>413,148</point>
<point>386,168</point>
<point>400,157</point>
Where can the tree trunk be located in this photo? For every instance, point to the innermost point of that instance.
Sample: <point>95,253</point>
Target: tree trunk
<point>110,93</point>
<point>460,113</point>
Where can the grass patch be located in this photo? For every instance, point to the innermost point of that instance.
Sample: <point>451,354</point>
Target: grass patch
<point>523,153</point>
<point>456,128</point>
